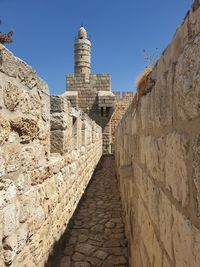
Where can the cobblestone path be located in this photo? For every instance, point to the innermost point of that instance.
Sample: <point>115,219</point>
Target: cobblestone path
<point>96,236</point>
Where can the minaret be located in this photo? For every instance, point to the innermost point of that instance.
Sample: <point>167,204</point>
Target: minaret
<point>82,54</point>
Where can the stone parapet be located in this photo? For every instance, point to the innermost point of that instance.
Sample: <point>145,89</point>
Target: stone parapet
<point>48,152</point>
<point>106,99</point>
<point>157,157</point>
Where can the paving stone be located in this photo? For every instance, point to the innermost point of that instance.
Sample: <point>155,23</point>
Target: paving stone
<point>78,256</point>
<point>110,225</point>
<point>82,238</point>
<point>69,250</point>
<point>116,260</point>
<point>65,262</point>
<point>100,254</point>
<point>96,236</point>
<point>82,264</point>
<point>86,249</point>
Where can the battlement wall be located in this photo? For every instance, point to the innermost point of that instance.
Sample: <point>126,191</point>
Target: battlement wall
<point>124,96</point>
<point>48,152</point>
<point>158,157</point>
<point>97,82</point>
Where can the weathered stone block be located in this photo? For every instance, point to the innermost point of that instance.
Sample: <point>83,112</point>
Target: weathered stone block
<point>9,220</point>
<point>25,127</point>
<point>59,121</point>
<point>10,248</point>
<point>153,155</point>
<point>4,130</point>
<point>186,83</point>
<point>58,103</point>
<point>186,241</point>
<point>148,236</point>
<point>196,168</point>
<point>177,148</point>
<point>57,141</point>
<point>165,223</point>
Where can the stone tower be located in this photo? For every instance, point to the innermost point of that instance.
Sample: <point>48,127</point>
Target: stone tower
<point>82,54</point>
<point>93,93</point>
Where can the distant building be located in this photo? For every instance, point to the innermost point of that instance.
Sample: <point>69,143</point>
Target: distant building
<point>93,93</point>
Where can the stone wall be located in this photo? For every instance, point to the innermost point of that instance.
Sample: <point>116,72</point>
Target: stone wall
<point>46,161</point>
<point>94,97</point>
<point>122,102</point>
<point>158,157</point>
<point>97,82</point>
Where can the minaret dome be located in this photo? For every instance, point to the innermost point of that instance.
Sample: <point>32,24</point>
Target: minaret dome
<point>82,34</point>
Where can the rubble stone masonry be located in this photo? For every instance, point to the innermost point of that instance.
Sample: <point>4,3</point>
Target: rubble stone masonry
<point>158,157</point>
<point>48,152</point>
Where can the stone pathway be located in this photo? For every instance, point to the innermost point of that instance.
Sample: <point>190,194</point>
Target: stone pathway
<point>96,236</point>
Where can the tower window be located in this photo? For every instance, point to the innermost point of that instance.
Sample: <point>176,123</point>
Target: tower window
<point>101,111</point>
<point>107,111</point>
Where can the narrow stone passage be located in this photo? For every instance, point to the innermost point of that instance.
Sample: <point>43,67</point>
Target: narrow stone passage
<point>96,236</point>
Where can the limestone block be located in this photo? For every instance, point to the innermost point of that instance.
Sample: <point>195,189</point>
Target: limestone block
<point>38,176</point>
<point>45,106</point>
<point>10,222</point>
<point>166,262</point>
<point>186,82</point>
<point>56,140</point>
<point>11,96</point>
<point>193,20</point>
<point>178,43</point>
<point>177,148</point>
<point>10,246</point>
<point>39,217</point>
<point>2,162</point>
<point>186,241</point>
<point>16,68</point>
<point>28,102</point>
<point>23,182</point>
<point>39,154</point>
<point>58,103</point>
<point>22,236</point>
<point>56,163</point>
<point>153,198</point>
<point>146,111</point>
<point>2,263</point>
<point>153,155</point>
<point>8,192</point>
<point>43,130</point>
<point>34,105</point>
<point>25,127</point>
<point>28,204</point>
<point>196,168</point>
<point>4,129</point>
<point>59,121</point>
<point>148,236</point>
<point>161,101</point>
<point>165,223</point>
<point>13,159</point>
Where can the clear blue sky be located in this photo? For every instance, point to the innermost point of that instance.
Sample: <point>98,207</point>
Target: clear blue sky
<point>119,30</point>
